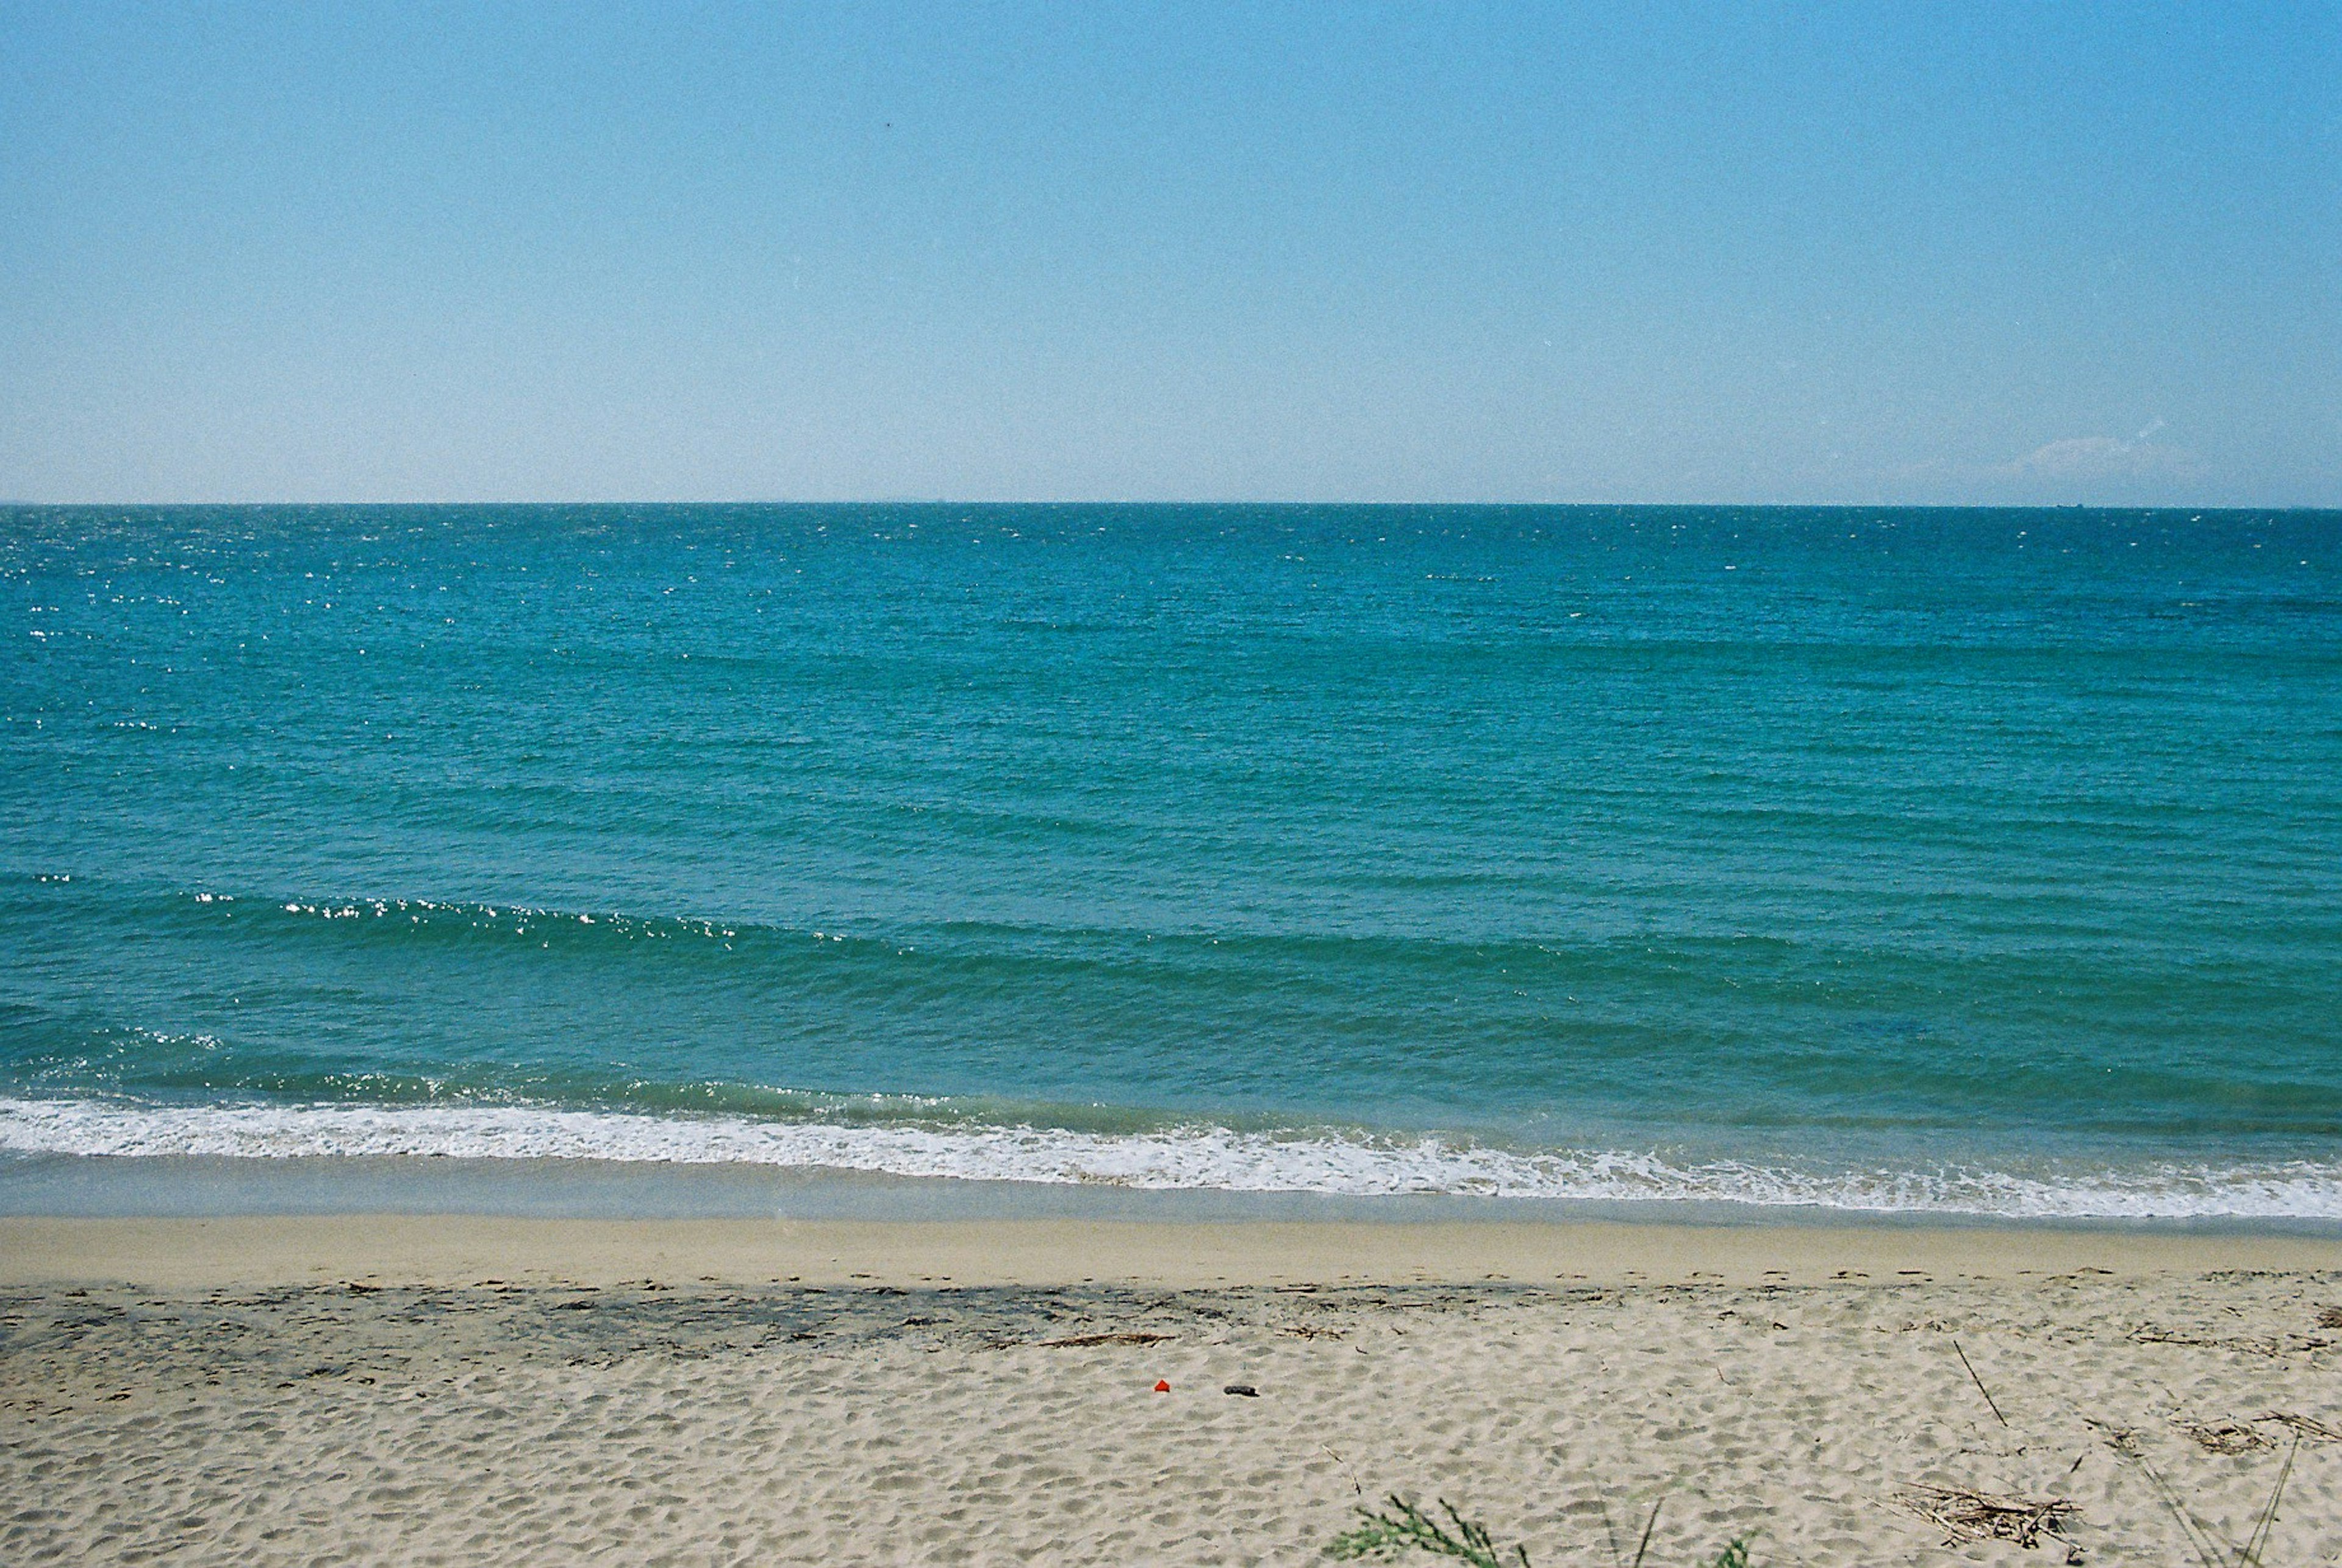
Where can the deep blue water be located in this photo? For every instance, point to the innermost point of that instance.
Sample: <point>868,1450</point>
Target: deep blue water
<point>1901,859</point>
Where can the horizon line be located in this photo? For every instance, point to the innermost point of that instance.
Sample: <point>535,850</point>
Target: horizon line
<point>1282,504</point>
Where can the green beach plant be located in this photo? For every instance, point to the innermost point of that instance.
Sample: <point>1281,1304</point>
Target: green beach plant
<point>1401,1526</point>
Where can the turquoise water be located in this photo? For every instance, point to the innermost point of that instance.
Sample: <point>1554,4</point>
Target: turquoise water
<point>1983,862</point>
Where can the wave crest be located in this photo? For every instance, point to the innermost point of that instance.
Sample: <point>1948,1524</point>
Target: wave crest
<point>1195,1157</point>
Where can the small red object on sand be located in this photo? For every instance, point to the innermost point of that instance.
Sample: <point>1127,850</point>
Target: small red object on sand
<point>1161,1386</point>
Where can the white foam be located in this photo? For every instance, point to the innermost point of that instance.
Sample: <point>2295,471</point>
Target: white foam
<point>1194,1158</point>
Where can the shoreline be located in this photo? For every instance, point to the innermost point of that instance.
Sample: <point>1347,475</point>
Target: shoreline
<point>2279,1201</point>
<point>195,1252</point>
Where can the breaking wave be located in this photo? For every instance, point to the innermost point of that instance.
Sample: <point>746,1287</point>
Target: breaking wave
<point>1196,1156</point>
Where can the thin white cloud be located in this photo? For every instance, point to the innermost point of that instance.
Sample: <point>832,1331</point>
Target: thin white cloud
<point>2082,457</point>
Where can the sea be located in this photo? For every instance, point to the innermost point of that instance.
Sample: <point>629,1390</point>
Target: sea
<point>1767,862</point>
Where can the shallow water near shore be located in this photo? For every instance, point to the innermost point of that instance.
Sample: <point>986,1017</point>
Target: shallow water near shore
<point>1924,863</point>
<point>201,1186</point>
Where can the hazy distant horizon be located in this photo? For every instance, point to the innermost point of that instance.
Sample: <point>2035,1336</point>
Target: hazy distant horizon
<point>1270,502</point>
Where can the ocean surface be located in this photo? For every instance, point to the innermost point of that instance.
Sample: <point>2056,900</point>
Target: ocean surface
<point>1977,863</point>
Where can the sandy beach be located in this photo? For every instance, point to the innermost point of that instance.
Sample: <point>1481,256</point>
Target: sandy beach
<point>428,1390</point>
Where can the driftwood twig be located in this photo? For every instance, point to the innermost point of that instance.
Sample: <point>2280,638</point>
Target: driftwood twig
<point>1980,1383</point>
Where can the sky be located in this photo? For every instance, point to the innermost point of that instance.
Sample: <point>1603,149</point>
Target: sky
<point>1899,253</point>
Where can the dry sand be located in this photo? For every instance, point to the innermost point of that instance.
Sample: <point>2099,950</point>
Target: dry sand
<point>410,1391</point>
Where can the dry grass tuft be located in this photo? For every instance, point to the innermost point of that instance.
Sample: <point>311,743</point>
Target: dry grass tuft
<point>2308,1426</point>
<point>2123,1439</point>
<point>1965,1515</point>
<point>2149,1334</point>
<point>2227,1436</point>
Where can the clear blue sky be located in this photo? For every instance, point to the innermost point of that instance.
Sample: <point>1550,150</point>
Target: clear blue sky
<point>1899,252</point>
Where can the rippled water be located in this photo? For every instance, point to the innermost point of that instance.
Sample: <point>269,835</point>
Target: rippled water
<point>1981,861</point>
